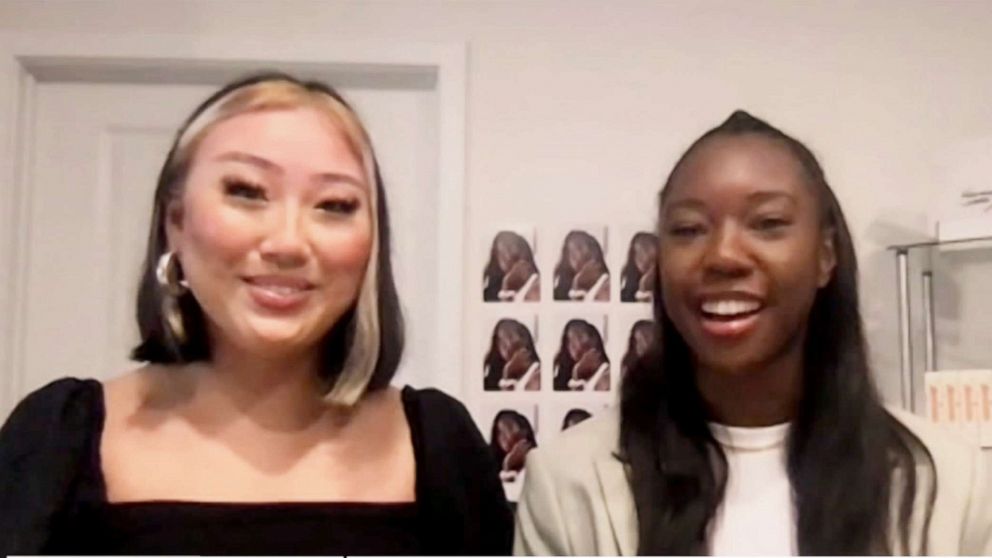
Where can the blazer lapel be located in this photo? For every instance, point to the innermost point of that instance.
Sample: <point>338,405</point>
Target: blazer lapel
<point>619,503</point>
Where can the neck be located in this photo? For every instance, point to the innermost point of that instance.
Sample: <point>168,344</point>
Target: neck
<point>278,392</point>
<point>764,394</point>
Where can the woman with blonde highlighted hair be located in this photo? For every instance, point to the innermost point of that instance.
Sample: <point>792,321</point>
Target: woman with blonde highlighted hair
<point>263,421</point>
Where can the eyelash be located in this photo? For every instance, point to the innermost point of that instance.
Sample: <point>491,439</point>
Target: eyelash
<point>686,231</point>
<point>771,223</point>
<point>250,192</point>
<point>239,188</point>
<point>343,207</point>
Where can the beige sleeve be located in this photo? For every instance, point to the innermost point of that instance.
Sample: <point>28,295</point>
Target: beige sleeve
<point>540,527</point>
<point>976,536</point>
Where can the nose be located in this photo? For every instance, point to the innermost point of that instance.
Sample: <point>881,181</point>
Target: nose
<point>286,244</point>
<point>726,254</point>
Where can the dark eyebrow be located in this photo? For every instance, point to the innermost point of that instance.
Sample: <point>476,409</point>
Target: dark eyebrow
<point>269,166</point>
<point>688,203</point>
<point>768,195</point>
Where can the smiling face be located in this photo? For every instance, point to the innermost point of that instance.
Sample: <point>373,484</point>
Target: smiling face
<point>645,254</point>
<point>578,251</point>
<point>508,251</point>
<point>579,341</point>
<point>642,340</point>
<point>509,432</point>
<point>273,229</point>
<point>508,340</point>
<point>742,252</point>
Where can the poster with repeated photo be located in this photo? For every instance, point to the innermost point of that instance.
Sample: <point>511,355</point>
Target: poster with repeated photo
<point>510,272</point>
<point>578,257</point>
<point>511,431</point>
<point>576,348</point>
<point>510,357</point>
<point>636,263</point>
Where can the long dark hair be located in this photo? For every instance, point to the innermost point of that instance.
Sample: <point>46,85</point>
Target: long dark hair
<point>158,345</point>
<point>630,278</point>
<point>564,362</point>
<point>493,274</point>
<point>509,414</point>
<point>564,274</point>
<point>845,451</point>
<point>494,362</point>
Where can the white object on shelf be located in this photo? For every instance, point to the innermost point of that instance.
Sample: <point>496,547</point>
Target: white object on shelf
<point>962,401</point>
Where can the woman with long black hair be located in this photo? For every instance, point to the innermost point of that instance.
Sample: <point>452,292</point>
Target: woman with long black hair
<point>755,427</point>
<point>512,363</point>
<point>581,363</point>
<point>581,273</point>
<point>511,438</point>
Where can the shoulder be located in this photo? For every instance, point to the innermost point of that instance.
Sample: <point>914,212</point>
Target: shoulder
<point>435,409</point>
<point>43,446</point>
<point>51,413</point>
<point>950,451</point>
<point>962,520</point>
<point>571,456</point>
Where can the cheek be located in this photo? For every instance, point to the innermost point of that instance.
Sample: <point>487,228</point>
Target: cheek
<point>346,248</point>
<point>793,269</point>
<point>216,234</point>
<point>674,275</point>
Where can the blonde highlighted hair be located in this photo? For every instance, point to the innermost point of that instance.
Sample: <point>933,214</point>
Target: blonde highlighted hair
<point>362,351</point>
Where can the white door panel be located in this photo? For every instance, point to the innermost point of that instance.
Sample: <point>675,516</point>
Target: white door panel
<point>97,151</point>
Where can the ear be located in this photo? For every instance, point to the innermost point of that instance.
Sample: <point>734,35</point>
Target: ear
<point>827,258</point>
<point>174,216</point>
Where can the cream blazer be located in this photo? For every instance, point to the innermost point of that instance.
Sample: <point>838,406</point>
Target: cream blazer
<point>576,499</point>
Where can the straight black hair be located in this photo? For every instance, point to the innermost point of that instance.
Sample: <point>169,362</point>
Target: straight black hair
<point>159,345</point>
<point>851,464</point>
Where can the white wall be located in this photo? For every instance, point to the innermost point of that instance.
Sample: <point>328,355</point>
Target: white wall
<point>601,97</point>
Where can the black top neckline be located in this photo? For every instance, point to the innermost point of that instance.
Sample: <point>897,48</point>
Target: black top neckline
<point>51,502</point>
<point>99,484</point>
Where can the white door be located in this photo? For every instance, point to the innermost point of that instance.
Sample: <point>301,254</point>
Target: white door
<point>96,154</point>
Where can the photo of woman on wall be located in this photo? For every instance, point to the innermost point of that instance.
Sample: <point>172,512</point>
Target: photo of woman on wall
<point>511,438</point>
<point>582,273</point>
<point>643,335</point>
<point>511,274</point>
<point>581,363</point>
<point>638,277</point>
<point>512,363</point>
<point>573,417</point>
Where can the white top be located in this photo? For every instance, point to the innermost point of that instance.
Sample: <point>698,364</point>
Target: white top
<point>757,516</point>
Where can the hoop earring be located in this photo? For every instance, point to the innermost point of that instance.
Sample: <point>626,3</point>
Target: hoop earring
<point>167,275</point>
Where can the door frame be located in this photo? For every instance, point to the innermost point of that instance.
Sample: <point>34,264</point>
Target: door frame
<point>29,59</point>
